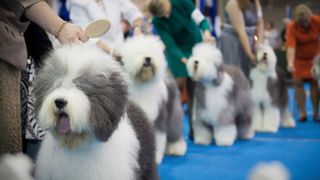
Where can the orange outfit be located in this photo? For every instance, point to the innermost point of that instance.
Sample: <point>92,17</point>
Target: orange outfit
<point>307,46</point>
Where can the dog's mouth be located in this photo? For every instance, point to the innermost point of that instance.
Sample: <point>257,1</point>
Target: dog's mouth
<point>63,125</point>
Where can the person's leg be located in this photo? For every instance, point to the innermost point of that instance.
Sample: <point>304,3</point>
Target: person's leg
<point>301,98</point>
<point>10,122</point>
<point>314,95</point>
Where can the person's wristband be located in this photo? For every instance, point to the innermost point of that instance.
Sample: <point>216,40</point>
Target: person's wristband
<point>58,32</point>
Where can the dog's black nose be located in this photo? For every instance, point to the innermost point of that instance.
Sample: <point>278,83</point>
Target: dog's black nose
<point>60,103</point>
<point>147,59</point>
<point>196,62</point>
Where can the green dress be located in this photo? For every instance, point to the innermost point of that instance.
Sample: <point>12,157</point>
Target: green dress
<point>179,33</point>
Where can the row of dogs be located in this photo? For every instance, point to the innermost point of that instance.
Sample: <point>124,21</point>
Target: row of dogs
<point>112,121</point>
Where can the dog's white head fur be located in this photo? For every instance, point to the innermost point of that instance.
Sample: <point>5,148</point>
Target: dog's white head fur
<point>143,58</point>
<point>266,59</point>
<point>205,63</point>
<point>77,92</point>
<point>269,171</point>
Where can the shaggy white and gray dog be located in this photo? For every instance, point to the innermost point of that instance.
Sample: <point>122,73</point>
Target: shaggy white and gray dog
<point>316,69</point>
<point>222,101</point>
<point>94,132</point>
<point>270,93</point>
<point>154,90</point>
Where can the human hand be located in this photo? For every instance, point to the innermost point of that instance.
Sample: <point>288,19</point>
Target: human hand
<point>137,31</point>
<point>184,60</point>
<point>253,59</point>
<point>115,54</point>
<point>71,33</point>
<point>290,67</point>
<point>207,37</point>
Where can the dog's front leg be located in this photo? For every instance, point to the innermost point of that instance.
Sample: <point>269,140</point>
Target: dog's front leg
<point>202,133</point>
<point>225,130</point>
<point>161,141</point>
<point>271,119</point>
<point>257,119</point>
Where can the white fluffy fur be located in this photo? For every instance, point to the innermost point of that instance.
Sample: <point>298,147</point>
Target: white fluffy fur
<point>136,49</point>
<point>78,108</point>
<point>269,171</point>
<point>271,118</point>
<point>209,54</point>
<point>149,95</point>
<point>209,58</point>
<point>133,53</point>
<point>117,157</point>
<point>15,167</point>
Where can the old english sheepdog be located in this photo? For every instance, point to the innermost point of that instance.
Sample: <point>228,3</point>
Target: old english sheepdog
<point>316,69</point>
<point>153,88</point>
<point>269,92</point>
<point>222,101</point>
<point>94,132</point>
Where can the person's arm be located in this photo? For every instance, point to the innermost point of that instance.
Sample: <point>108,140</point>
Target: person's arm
<point>170,45</point>
<point>291,46</point>
<point>237,21</point>
<point>199,19</point>
<point>41,14</point>
<point>260,23</point>
<point>132,14</point>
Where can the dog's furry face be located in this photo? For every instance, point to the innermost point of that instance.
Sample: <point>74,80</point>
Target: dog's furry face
<point>80,95</point>
<point>266,58</point>
<point>143,58</point>
<point>206,64</point>
<point>316,68</point>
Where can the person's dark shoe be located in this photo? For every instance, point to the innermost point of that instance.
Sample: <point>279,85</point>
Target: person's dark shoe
<point>302,119</point>
<point>316,118</point>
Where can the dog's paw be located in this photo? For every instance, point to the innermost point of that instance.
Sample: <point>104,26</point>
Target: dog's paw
<point>248,135</point>
<point>225,141</point>
<point>202,140</point>
<point>159,158</point>
<point>269,129</point>
<point>178,148</point>
<point>289,123</point>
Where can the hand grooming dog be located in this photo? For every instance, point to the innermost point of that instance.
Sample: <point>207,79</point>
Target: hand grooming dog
<point>270,93</point>
<point>94,132</point>
<point>222,100</point>
<point>155,91</point>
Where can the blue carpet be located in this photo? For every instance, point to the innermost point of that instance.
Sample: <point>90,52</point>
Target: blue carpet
<point>298,149</point>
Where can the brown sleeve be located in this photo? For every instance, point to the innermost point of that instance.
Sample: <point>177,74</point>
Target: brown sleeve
<point>28,3</point>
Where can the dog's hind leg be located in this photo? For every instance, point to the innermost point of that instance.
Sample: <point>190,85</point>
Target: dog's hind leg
<point>176,145</point>
<point>244,125</point>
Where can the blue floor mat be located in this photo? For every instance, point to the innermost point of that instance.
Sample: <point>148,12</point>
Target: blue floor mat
<point>298,149</point>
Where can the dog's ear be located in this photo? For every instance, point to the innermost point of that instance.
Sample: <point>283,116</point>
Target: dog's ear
<point>108,105</point>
